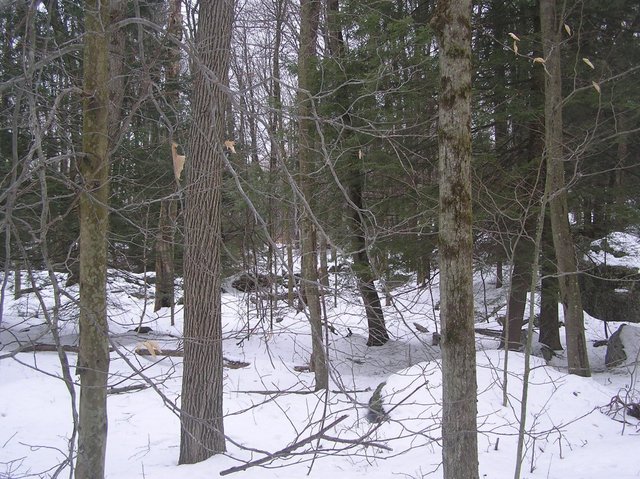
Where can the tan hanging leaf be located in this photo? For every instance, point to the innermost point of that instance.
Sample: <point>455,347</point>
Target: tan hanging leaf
<point>589,64</point>
<point>514,36</point>
<point>360,154</point>
<point>230,145</point>
<point>596,86</point>
<point>539,60</point>
<point>567,29</point>
<point>178,161</point>
<point>515,47</point>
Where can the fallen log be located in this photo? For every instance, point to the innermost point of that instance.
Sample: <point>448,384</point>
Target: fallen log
<point>226,362</point>
<point>49,348</point>
<point>126,389</point>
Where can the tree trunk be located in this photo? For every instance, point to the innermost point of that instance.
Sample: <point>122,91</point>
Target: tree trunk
<point>452,23</point>
<point>93,356</point>
<point>201,415</point>
<point>276,155</point>
<point>324,269</point>
<point>291,279</point>
<point>520,281</point>
<point>17,280</point>
<point>164,255</point>
<point>165,265</point>
<point>309,17</point>
<point>563,243</point>
<point>378,334</point>
<point>549,324</point>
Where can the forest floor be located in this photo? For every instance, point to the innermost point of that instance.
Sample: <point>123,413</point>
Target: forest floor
<point>575,427</point>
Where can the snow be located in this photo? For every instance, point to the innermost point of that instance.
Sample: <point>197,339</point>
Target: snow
<point>574,429</point>
<point>617,249</point>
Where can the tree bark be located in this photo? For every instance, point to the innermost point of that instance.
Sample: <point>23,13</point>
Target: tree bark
<point>164,255</point>
<point>309,17</point>
<point>165,265</point>
<point>276,154</point>
<point>499,275</point>
<point>291,280</point>
<point>378,334</point>
<point>17,280</point>
<point>93,357</point>
<point>324,269</point>
<point>549,323</point>
<point>452,23</point>
<point>520,281</point>
<point>563,243</point>
<point>201,415</point>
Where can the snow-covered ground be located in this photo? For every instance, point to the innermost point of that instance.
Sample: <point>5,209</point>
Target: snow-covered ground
<point>573,428</point>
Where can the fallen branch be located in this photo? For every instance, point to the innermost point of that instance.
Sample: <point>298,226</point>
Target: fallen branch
<point>286,451</point>
<point>268,392</point>
<point>357,442</point>
<point>165,352</point>
<point>49,348</point>
<point>492,333</point>
<point>126,389</point>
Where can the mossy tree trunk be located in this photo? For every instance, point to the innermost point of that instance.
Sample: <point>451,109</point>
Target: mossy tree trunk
<point>452,24</point>
<point>93,356</point>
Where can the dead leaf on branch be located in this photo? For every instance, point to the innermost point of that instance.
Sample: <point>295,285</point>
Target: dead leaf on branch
<point>178,161</point>
<point>230,145</point>
<point>596,86</point>
<point>514,36</point>
<point>589,64</point>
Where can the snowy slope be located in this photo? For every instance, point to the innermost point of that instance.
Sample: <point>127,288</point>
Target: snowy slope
<point>268,404</point>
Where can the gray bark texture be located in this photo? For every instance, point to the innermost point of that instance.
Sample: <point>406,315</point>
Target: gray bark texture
<point>376,326</point>
<point>452,24</point>
<point>165,297</point>
<point>520,280</point>
<point>562,241</point>
<point>309,18</point>
<point>201,416</point>
<point>93,356</point>
<point>549,322</point>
